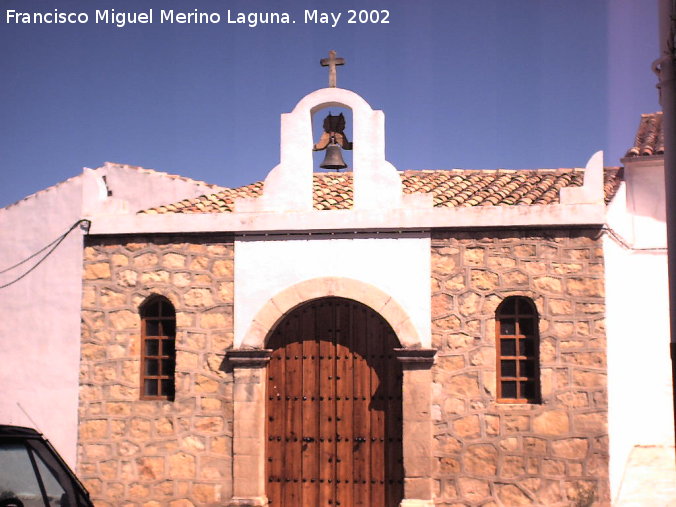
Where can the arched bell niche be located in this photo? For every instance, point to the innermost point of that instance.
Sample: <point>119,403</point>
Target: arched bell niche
<point>318,118</point>
<point>288,186</point>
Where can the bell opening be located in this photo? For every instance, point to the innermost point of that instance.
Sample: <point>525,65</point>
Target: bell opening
<point>333,157</point>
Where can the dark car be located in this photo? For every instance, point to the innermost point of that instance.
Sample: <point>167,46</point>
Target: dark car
<point>32,474</point>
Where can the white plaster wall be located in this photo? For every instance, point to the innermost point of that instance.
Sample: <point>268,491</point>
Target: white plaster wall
<point>397,264</point>
<point>40,314</point>
<point>145,188</point>
<point>640,410</point>
<point>646,202</point>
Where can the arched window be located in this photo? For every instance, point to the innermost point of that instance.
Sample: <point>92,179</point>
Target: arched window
<point>158,348</point>
<point>518,351</point>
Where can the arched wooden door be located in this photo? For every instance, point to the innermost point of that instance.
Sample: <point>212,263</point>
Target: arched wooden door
<point>334,408</point>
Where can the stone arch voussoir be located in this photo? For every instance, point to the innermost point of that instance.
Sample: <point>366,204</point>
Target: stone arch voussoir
<point>285,301</point>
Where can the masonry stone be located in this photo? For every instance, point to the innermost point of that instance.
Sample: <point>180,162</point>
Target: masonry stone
<point>137,452</point>
<point>480,451</point>
<point>519,454</point>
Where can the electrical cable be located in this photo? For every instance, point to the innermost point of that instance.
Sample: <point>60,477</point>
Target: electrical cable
<point>51,246</point>
<point>618,239</point>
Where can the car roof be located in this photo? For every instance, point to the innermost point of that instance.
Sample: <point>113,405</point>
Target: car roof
<point>17,431</point>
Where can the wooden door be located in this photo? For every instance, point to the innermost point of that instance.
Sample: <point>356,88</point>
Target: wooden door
<point>334,408</point>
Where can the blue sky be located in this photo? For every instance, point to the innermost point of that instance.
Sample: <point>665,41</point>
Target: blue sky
<point>463,84</point>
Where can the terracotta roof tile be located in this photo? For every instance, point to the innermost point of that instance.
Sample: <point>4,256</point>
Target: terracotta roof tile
<point>649,137</point>
<point>452,188</point>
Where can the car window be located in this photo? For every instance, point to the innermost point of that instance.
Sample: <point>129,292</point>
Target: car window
<point>17,477</point>
<point>56,495</point>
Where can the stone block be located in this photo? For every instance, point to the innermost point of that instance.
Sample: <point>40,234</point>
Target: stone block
<point>466,385</point>
<point>593,379</point>
<point>444,265</point>
<point>592,423</point>
<point>206,493</point>
<point>205,385</point>
<point>474,256</point>
<point>524,250</point>
<point>512,495</point>
<point>534,445</point>
<point>181,503</point>
<point>560,307</point>
<point>127,448</point>
<point>137,490</point>
<point>208,424</point>
<point>126,278</point>
<point>455,283</point>
<point>418,488</point>
<point>155,277</point>
<point>516,423</point>
<point>93,254</point>
<point>220,445</point>
<point>481,459</point>
<point>199,263</point>
<point>247,476</point>
<point>139,428</point>
<point>553,422</point>
<point>248,446</point>
<point>198,298</point>
<point>214,320</point>
<point>174,260</point>
<point>514,278</point>
<point>214,469</point>
<point>468,427</point>
<point>547,284</point>
<point>571,448</point>
<point>509,444</point>
<point>95,429</point>
<point>591,359</point>
<point>146,260</point>
<point>512,467</point>
<point>181,279</point>
<point>554,468</point>
<point>483,280</point>
<point>223,269</point>
<point>225,291</point>
<point>442,304</point>
<point>450,323</point>
<point>473,490</point>
<point>470,303</point>
<point>500,262</point>
<point>448,466</point>
<point>150,468</point>
<point>97,271</point>
<point>181,466</point>
<point>446,444</point>
<point>548,251</point>
<point>577,254</point>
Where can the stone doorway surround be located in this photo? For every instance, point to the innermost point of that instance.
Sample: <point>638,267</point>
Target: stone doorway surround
<point>249,366</point>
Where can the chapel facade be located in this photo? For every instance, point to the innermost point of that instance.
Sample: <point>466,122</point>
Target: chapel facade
<point>373,337</point>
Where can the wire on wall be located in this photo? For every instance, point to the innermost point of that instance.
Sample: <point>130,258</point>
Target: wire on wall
<point>50,247</point>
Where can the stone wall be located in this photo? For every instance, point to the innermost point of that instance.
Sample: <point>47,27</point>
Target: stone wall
<point>134,452</point>
<point>488,453</point>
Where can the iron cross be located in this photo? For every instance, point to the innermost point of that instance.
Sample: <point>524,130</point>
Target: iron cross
<point>331,63</point>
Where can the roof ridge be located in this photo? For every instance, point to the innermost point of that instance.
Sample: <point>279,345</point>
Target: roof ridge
<point>459,187</point>
<point>42,191</point>
<point>161,173</point>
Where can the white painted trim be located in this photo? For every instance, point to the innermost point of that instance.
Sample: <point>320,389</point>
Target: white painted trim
<point>591,191</point>
<point>343,220</point>
<point>288,186</point>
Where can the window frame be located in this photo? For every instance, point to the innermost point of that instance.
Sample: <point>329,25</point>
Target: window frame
<point>166,347</point>
<point>524,310</point>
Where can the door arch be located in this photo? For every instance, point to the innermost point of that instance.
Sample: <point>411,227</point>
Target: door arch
<point>333,408</point>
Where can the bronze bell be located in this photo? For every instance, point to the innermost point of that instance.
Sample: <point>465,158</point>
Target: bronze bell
<point>333,158</point>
